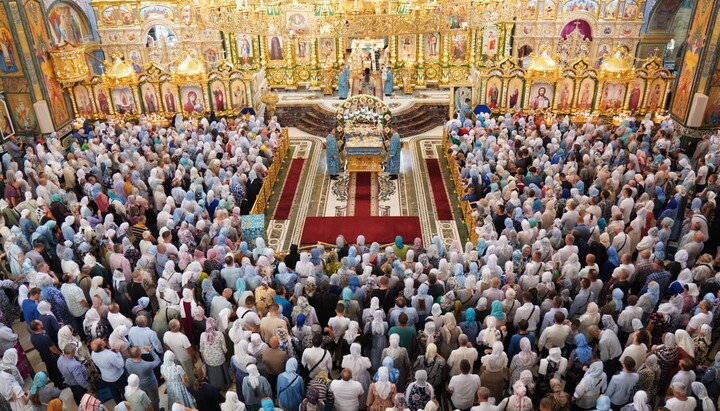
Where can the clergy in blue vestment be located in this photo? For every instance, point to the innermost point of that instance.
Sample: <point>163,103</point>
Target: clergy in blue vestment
<point>393,156</point>
<point>344,82</point>
<point>332,155</point>
<point>388,81</point>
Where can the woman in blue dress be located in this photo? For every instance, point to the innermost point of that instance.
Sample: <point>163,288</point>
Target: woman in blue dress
<point>393,156</point>
<point>388,81</point>
<point>332,156</point>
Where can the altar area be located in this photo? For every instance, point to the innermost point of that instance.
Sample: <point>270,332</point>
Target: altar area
<point>363,124</point>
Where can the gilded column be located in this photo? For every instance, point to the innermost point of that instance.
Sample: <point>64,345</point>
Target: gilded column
<point>315,67</point>
<point>420,80</point>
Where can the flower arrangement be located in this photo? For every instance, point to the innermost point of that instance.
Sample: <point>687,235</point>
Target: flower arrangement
<point>362,115</point>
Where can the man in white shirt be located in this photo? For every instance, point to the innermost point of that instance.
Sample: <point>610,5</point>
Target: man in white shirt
<point>702,318</point>
<point>317,359</point>
<point>610,349</point>
<point>549,317</point>
<point>483,397</point>
<point>116,318</point>
<point>528,312</point>
<point>465,351</point>
<point>556,334</point>
<point>347,392</point>
<point>463,388</point>
<point>177,342</point>
<point>628,314</point>
<point>680,401</point>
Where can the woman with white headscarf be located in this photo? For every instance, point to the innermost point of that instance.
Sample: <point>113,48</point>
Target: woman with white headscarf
<point>381,392</point>
<point>137,398</point>
<point>640,403</point>
<point>492,371</point>
<point>359,366</point>
<point>591,386</point>
<point>518,401</point>
<point>702,395</point>
<point>419,392</point>
<point>685,344</point>
<point>232,402</point>
<point>433,365</point>
<point>176,381</point>
<point>702,343</point>
<point>377,328</point>
<point>255,387</point>
<point>96,288</point>
<point>524,360</point>
<point>400,357</point>
<point>552,366</point>
<point>449,334</point>
<point>591,317</point>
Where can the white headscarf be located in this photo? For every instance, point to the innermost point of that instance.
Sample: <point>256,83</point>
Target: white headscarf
<point>253,377</point>
<point>232,402</point>
<point>383,385</point>
<point>701,393</point>
<point>133,385</point>
<point>640,401</point>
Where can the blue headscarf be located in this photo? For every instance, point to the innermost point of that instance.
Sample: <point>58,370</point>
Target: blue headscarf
<point>240,286</point>
<point>40,380</point>
<point>315,256</point>
<point>617,296</point>
<point>654,291</point>
<point>354,282</point>
<point>583,350</point>
<point>398,242</point>
<point>613,256</point>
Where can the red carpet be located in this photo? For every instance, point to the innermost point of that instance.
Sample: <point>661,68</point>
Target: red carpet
<point>363,194</point>
<point>282,212</point>
<point>380,229</point>
<point>442,204</point>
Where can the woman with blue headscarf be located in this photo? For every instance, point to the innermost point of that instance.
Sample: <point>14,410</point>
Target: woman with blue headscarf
<point>579,358</point>
<point>290,387</point>
<point>393,373</point>
<point>399,248</point>
<point>470,327</point>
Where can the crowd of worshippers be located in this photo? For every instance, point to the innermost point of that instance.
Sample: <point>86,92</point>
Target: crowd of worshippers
<point>592,285</point>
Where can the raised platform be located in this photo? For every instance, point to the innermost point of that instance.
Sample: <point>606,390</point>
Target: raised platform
<point>380,229</point>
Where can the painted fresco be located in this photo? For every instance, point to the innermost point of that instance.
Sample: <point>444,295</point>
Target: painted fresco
<point>22,112</point>
<point>39,34</point>
<point>66,25</point>
<point>695,44</point>
<point>9,60</point>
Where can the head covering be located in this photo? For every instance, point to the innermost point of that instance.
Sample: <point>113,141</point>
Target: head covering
<point>383,385</point>
<point>701,393</point>
<point>684,341</point>
<point>133,385</point>
<point>40,380</point>
<point>583,350</point>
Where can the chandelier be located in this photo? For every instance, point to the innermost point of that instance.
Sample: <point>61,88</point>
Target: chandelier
<point>352,18</point>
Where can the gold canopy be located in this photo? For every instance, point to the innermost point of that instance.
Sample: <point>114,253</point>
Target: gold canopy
<point>190,70</point>
<point>617,66</point>
<point>542,66</point>
<point>119,72</point>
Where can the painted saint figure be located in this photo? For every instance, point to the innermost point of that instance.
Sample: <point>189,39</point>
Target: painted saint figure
<point>332,155</point>
<point>344,82</point>
<point>393,156</point>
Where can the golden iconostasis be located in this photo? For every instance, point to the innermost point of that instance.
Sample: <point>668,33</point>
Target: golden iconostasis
<point>292,46</point>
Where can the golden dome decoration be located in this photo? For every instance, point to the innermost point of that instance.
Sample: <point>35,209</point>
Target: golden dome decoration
<point>190,70</point>
<point>119,72</point>
<point>617,66</point>
<point>69,64</point>
<point>543,66</point>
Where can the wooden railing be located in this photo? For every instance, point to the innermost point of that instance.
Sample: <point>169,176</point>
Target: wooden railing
<point>459,190</point>
<point>263,197</point>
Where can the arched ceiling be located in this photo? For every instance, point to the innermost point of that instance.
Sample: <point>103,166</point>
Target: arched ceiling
<point>662,16</point>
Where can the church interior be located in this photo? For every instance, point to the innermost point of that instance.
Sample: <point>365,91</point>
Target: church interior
<point>376,119</point>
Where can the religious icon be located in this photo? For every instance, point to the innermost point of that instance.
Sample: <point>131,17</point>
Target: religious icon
<point>635,95</point>
<point>298,22</point>
<point>136,61</point>
<point>124,102</point>
<point>103,101</point>
<point>64,24</point>
<point>655,96</point>
<point>432,45</point>
<point>22,112</point>
<point>82,98</point>
<point>276,51</point>
<point>245,50</point>
<point>7,49</point>
<point>459,46</point>
<point>612,96</point>
<point>492,95</point>
<point>149,98</point>
<point>192,100</point>
<point>631,10</point>
<point>407,51</point>
<point>169,97</point>
<point>218,94</point>
<point>514,96</point>
<point>601,55</point>
<point>490,43</point>
<point>239,99</point>
<point>586,94</point>
<point>565,95</point>
<point>328,50</point>
<point>6,126</point>
<point>539,96</point>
